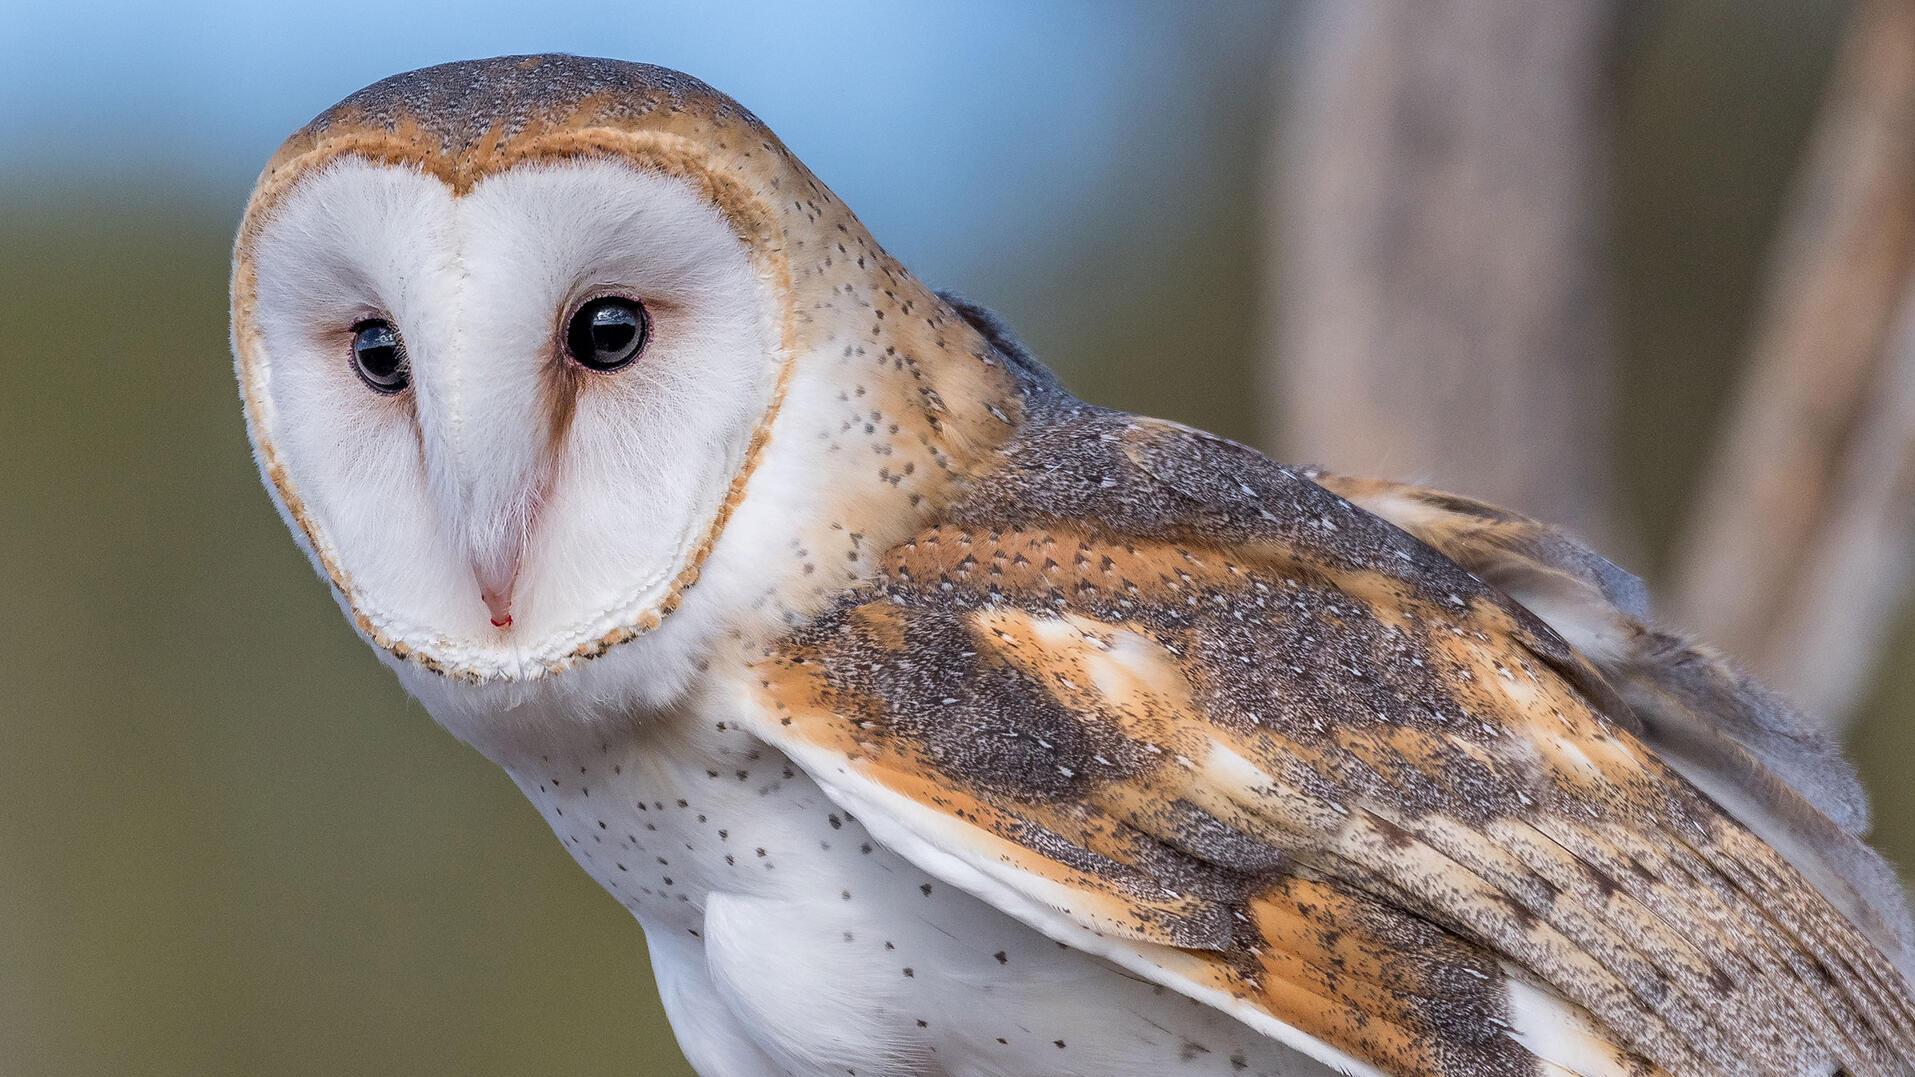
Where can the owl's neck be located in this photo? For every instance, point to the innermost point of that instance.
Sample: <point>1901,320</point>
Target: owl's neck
<point>900,400</point>
<point>664,813</point>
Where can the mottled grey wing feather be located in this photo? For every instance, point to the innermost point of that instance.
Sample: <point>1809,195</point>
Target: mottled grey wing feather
<point>1773,767</point>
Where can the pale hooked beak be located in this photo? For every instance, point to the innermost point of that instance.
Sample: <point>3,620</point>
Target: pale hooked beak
<point>497,594</point>
<point>498,551</point>
<point>495,566</point>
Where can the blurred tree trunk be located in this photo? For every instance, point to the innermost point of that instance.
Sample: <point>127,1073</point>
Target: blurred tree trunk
<point>1441,197</point>
<point>1798,555</point>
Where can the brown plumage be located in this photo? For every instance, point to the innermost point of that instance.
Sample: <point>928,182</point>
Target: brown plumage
<point>1198,702</point>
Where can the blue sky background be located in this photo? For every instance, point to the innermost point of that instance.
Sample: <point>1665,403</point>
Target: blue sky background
<point>967,136</point>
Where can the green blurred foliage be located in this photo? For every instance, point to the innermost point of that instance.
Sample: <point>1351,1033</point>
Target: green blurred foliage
<point>232,846</point>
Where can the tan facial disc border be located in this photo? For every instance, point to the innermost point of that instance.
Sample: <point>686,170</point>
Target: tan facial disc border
<point>649,150</point>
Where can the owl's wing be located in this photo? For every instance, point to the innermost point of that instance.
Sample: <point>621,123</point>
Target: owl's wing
<point>1776,770</point>
<point>1177,706</point>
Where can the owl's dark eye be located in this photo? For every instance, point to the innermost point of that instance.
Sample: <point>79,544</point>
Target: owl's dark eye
<point>379,357</point>
<point>607,334</point>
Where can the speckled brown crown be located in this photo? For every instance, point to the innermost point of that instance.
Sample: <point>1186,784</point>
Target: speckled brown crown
<point>477,112</point>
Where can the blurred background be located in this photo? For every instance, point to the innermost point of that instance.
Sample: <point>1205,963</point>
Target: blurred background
<point>1637,265</point>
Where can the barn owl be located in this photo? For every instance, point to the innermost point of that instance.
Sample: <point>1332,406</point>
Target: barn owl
<point>931,721</point>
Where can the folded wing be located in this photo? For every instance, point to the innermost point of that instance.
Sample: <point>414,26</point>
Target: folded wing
<point>1170,703</point>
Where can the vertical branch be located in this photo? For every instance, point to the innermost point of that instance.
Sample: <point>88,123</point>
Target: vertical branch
<point>1800,508</point>
<point>1844,603</point>
<point>1441,198</point>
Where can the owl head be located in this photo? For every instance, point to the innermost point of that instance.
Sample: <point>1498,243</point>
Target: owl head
<point>548,360</point>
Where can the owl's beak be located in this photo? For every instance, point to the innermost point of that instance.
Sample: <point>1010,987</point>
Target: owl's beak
<point>497,555</point>
<point>495,588</point>
<point>496,552</point>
